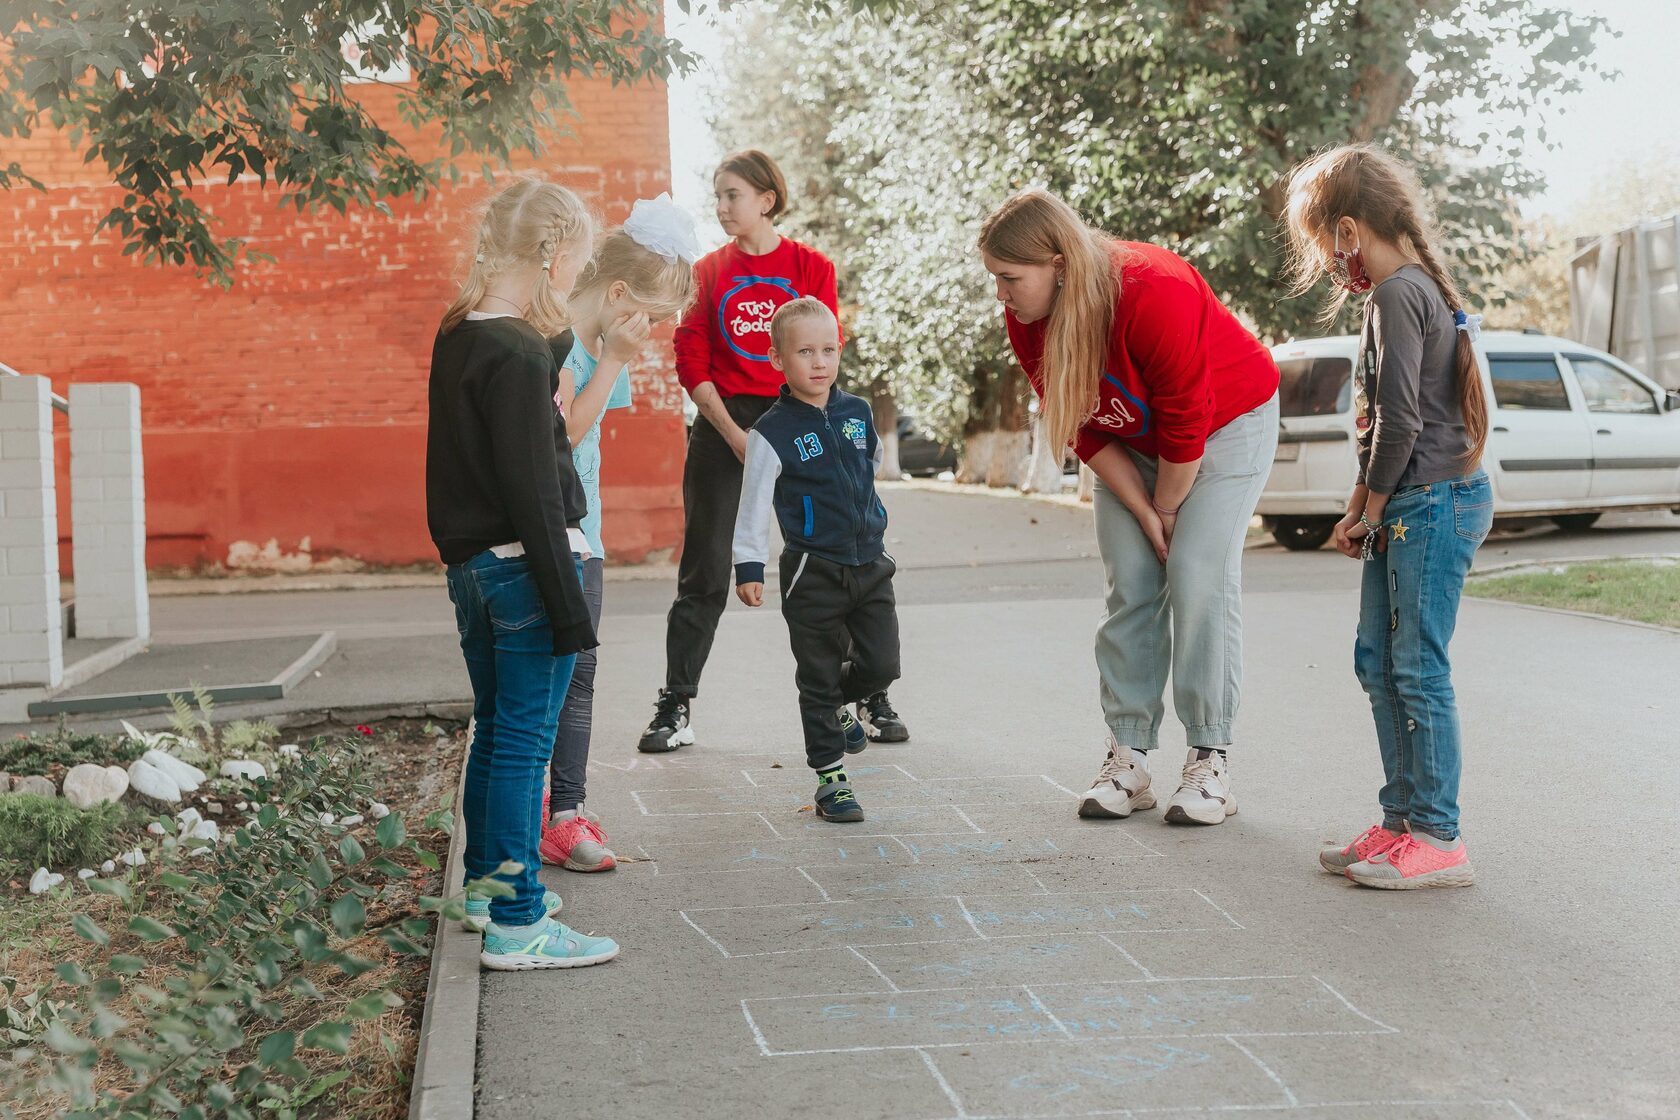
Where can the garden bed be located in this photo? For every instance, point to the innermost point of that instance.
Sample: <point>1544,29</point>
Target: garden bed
<point>280,970</point>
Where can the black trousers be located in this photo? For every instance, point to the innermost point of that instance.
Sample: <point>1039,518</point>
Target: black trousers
<point>843,626</point>
<point>705,574</point>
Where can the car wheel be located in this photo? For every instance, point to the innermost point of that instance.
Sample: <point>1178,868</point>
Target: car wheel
<point>1575,522</point>
<point>1299,534</point>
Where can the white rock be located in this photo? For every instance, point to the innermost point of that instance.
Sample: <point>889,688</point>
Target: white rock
<point>145,778</point>
<point>109,867</point>
<point>187,818</point>
<point>34,783</point>
<point>378,811</point>
<point>185,774</point>
<point>352,820</point>
<point>241,805</point>
<point>243,768</point>
<point>43,881</point>
<point>87,785</point>
<point>86,873</point>
<point>155,829</point>
<point>134,858</point>
<point>289,750</point>
<point>214,807</point>
<point>326,818</point>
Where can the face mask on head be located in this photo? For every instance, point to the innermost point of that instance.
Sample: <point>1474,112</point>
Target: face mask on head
<point>1347,268</point>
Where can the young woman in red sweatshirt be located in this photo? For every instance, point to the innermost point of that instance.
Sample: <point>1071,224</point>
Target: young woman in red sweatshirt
<point>1173,404</point>
<point>723,360</point>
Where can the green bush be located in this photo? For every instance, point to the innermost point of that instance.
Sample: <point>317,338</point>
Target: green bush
<point>36,754</point>
<point>38,831</point>
<point>252,929</point>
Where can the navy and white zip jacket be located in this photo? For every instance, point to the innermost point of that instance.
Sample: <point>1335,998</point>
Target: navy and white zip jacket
<point>815,467</point>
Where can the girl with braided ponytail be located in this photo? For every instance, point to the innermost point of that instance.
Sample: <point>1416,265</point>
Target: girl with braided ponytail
<point>1421,505</point>
<point>504,506</point>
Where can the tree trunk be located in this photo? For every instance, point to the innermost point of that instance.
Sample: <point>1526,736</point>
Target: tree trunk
<point>1009,459</point>
<point>995,442</point>
<point>885,408</point>
<point>1044,469</point>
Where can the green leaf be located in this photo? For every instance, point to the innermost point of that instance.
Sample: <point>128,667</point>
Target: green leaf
<point>72,973</point>
<point>89,930</point>
<point>348,915</point>
<point>334,1036</point>
<point>390,831</point>
<point>350,850</point>
<point>116,888</point>
<point>60,1038</point>
<point>125,965</point>
<point>149,929</point>
<point>320,871</point>
<point>372,1005</point>
<point>276,1048</point>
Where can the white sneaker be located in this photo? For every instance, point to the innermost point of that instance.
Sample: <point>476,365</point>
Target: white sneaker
<point>1122,785</point>
<point>1204,792</point>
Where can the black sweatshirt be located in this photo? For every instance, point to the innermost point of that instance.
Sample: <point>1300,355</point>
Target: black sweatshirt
<point>498,463</point>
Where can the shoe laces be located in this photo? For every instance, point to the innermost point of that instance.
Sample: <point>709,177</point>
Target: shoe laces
<point>880,708</point>
<point>669,706</point>
<point>1378,837</point>
<point>842,796</point>
<point>1113,767</point>
<point>1199,775</point>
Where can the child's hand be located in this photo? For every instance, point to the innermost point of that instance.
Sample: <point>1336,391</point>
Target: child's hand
<point>1344,539</point>
<point>752,594</point>
<point>624,337</point>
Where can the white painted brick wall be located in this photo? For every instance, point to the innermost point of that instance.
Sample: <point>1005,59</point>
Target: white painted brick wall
<point>108,512</point>
<point>31,631</point>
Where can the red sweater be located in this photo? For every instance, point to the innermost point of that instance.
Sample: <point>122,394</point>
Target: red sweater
<point>724,337</point>
<point>1180,365</point>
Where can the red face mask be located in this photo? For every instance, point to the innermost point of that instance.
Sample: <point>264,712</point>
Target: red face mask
<point>1347,268</point>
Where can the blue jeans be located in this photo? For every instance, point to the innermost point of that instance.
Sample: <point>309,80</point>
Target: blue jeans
<point>518,686</point>
<point>1408,608</point>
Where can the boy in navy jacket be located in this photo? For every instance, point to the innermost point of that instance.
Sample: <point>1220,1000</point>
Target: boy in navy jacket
<point>811,459</point>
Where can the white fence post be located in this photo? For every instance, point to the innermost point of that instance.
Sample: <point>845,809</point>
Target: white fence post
<point>108,512</point>
<point>31,626</point>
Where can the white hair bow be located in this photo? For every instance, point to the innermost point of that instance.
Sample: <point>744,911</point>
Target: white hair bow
<point>661,226</point>
<point>1469,324</point>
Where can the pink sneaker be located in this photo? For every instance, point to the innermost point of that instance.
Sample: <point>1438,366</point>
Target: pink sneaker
<point>574,840</point>
<point>1410,863</point>
<point>1364,846</point>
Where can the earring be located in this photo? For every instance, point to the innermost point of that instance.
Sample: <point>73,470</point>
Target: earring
<point>1058,279</point>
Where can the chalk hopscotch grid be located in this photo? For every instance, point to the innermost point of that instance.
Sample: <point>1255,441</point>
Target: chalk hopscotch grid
<point>1064,1037</point>
<point>968,917</point>
<point>1289,1104</point>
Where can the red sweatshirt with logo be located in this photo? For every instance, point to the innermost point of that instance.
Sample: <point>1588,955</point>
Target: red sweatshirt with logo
<point>1180,366</point>
<point>724,337</point>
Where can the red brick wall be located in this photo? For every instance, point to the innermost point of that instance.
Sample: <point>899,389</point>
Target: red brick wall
<point>292,409</point>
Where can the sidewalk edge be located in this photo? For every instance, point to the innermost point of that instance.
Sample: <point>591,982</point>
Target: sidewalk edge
<point>446,1063</point>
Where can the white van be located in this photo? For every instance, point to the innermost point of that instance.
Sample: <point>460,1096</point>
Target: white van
<point>1572,432</point>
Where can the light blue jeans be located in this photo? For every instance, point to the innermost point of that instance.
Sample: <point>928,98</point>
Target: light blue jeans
<point>1408,609</point>
<point>1185,615</point>
<point>518,686</point>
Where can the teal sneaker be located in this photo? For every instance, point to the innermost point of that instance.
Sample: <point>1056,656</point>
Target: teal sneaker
<point>478,910</point>
<point>555,946</point>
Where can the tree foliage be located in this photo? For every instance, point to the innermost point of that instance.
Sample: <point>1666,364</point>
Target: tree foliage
<point>1160,120</point>
<point>170,94</point>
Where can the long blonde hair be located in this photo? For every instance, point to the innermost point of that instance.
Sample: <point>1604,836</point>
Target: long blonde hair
<point>1033,227</point>
<point>1363,182</point>
<point>662,285</point>
<point>527,222</point>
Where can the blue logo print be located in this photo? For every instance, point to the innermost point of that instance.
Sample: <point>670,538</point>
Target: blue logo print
<point>854,430</point>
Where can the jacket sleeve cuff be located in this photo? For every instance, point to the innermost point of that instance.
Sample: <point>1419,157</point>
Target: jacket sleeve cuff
<point>1088,443</point>
<point>749,571</point>
<point>1181,451</point>
<point>692,379</point>
<point>574,639</point>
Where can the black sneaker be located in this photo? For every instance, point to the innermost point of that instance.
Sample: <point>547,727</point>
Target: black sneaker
<point>881,721</point>
<point>835,802</point>
<point>856,739</point>
<point>669,729</point>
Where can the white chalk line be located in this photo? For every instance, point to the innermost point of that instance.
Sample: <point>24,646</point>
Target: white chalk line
<point>969,918</point>
<point>1221,909</point>
<point>716,944</point>
<point>1349,1005</point>
<point>942,897</point>
<point>820,888</point>
<point>1288,1093</point>
<point>1094,1040</point>
<point>758,1035</point>
<point>964,939</point>
<point>944,1085</point>
<point>1001,987</point>
<point>968,820</point>
<point>1046,1012</point>
<point>888,980</point>
<point>1124,952</point>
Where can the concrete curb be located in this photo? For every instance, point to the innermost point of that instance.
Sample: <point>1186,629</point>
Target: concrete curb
<point>1565,561</point>
<point>446,1063</point>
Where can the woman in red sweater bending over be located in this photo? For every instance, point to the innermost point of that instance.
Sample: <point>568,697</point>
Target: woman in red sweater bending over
<point>722,345</point>
<point>1173,405</point>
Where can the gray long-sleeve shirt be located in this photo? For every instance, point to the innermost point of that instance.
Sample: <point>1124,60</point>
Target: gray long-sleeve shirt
<point>1410,422</point>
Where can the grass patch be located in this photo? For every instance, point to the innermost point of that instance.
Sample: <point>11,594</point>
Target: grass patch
<point>38,831</point>
<point>1638,590</point>
<point>63,748</point>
